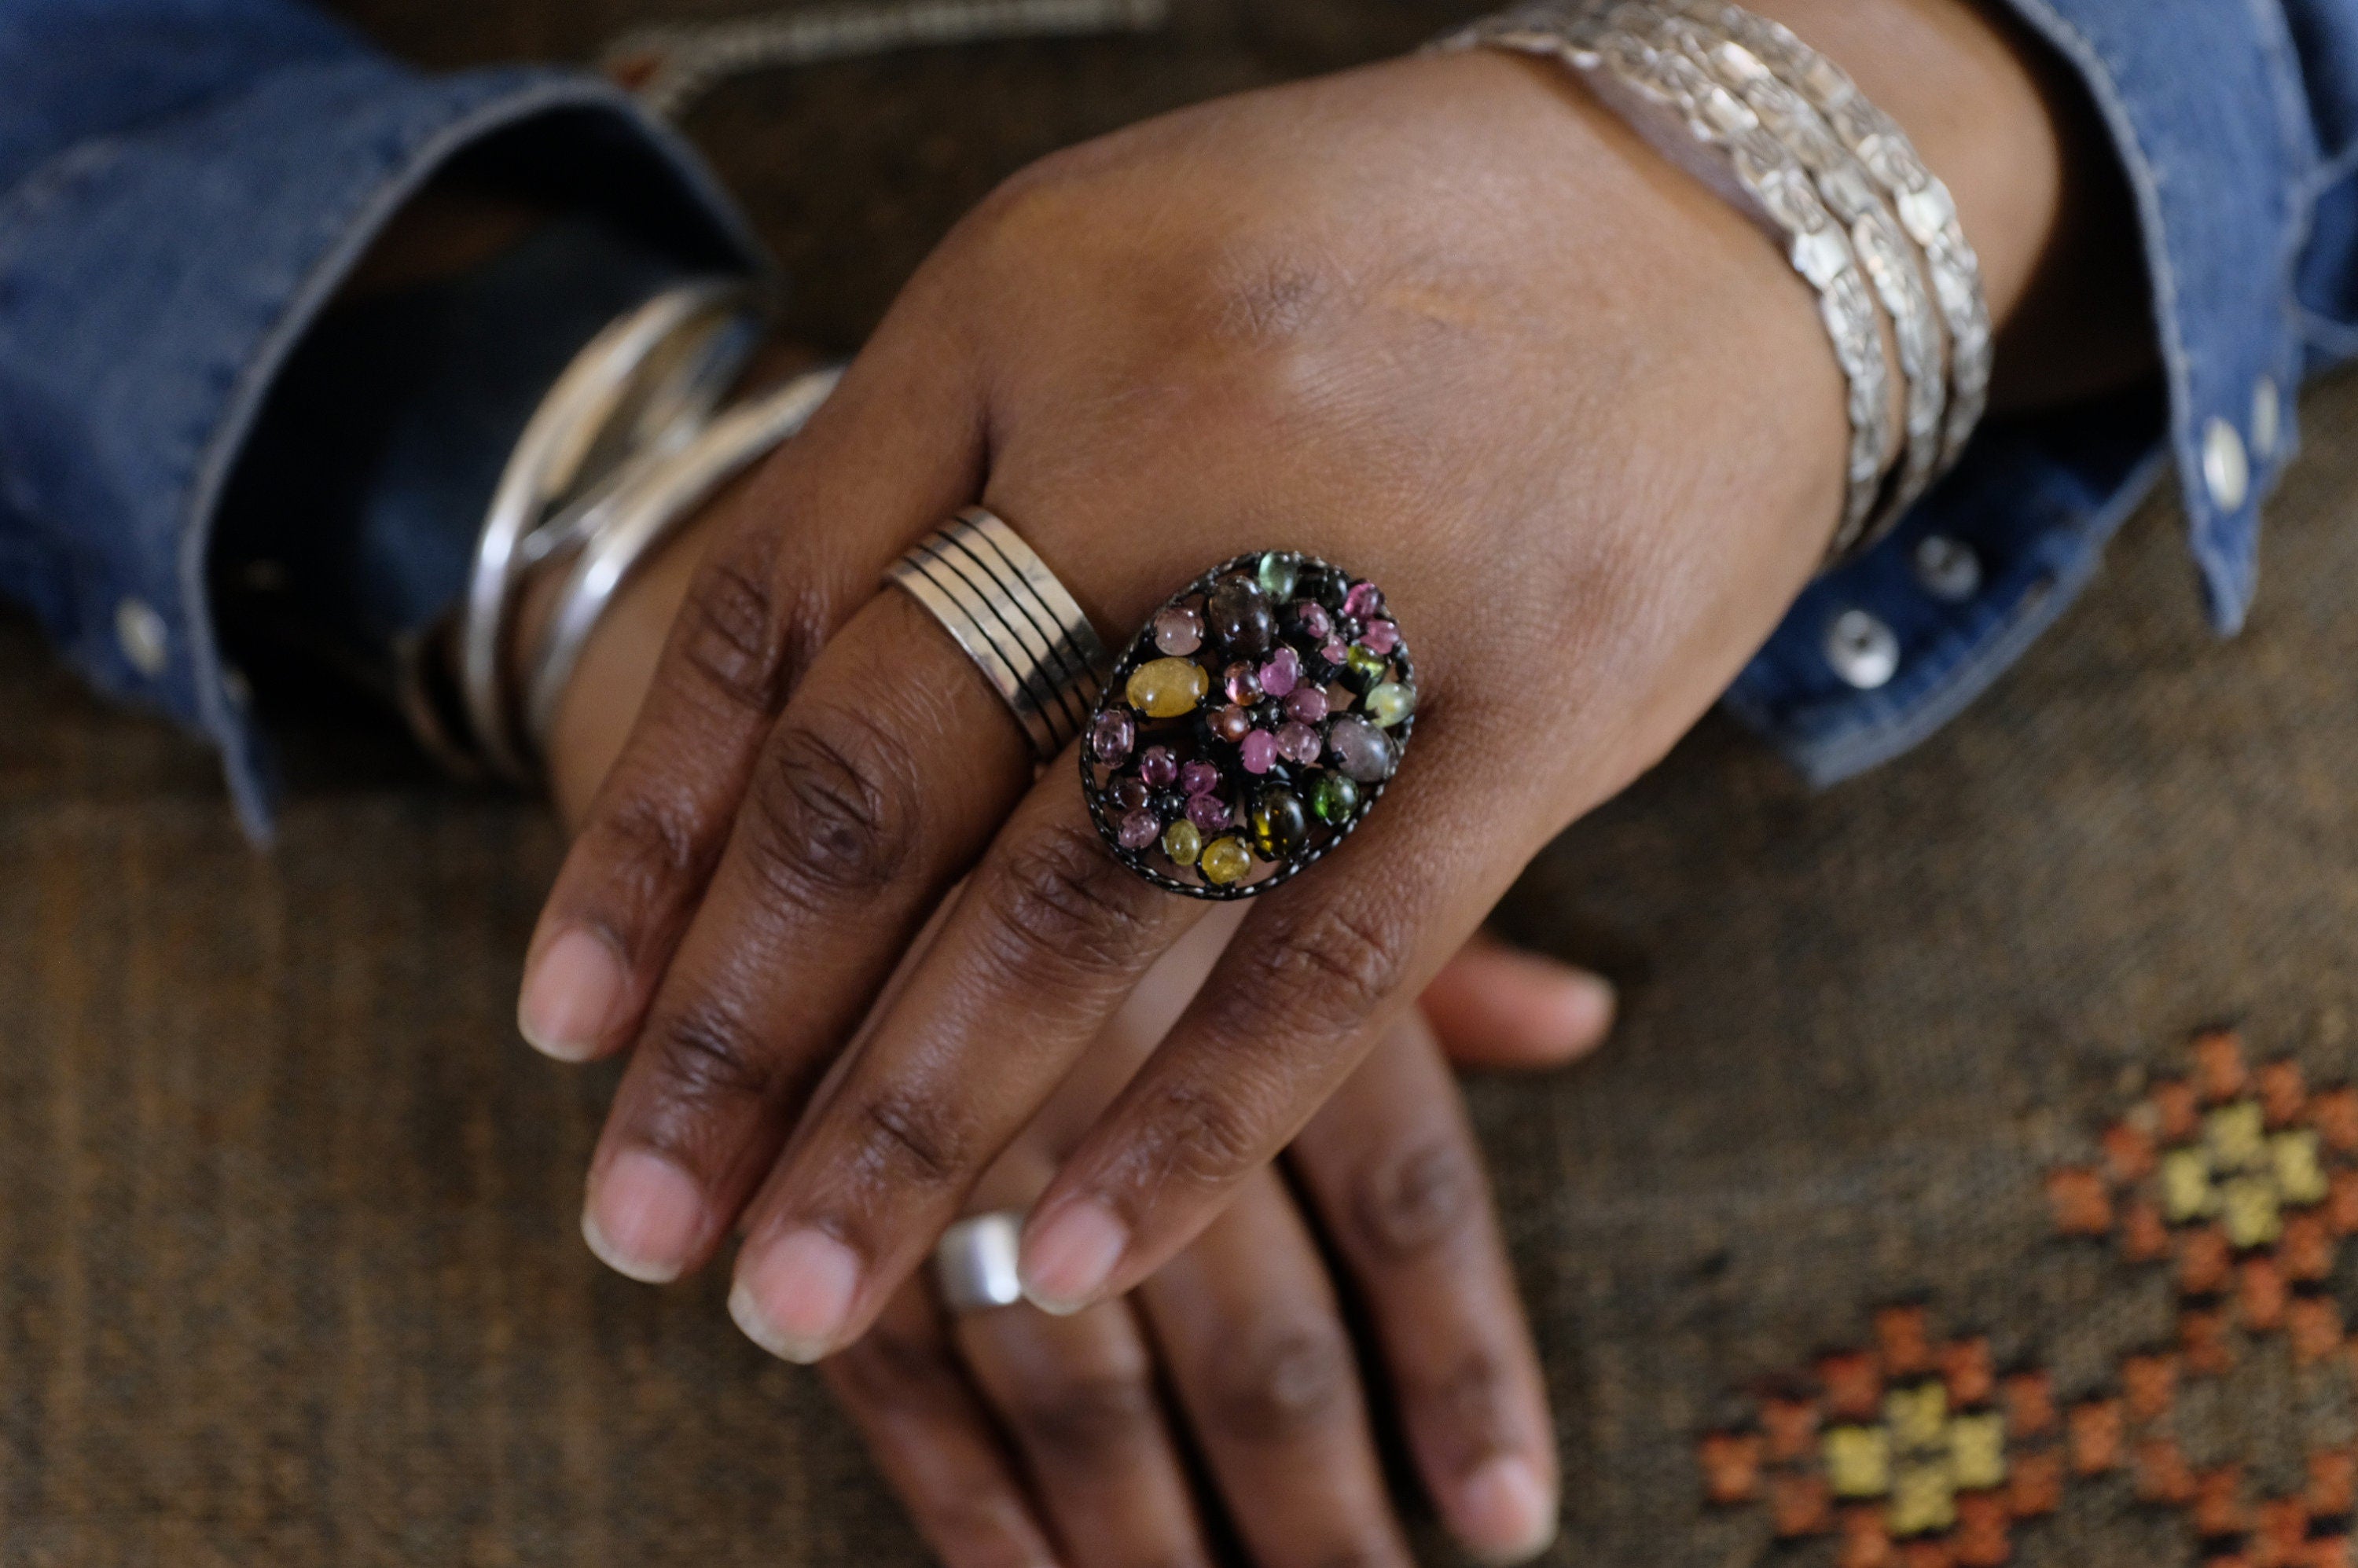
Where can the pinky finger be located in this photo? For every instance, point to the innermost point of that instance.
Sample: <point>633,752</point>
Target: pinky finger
<point>906,1390</point>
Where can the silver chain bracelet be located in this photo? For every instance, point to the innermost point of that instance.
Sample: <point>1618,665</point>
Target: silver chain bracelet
<point>672,65</point>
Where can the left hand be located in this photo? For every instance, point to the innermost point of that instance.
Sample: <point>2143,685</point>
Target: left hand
<point>1291,320</point>
<point>1007,1430</point>
<point>1445,322</point>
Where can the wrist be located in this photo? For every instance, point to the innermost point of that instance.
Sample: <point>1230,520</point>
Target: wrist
<point>609,681</point>
<point>618,662</point>
<point>2038,191</point>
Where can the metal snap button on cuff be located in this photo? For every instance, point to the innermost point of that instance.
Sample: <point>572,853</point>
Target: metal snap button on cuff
<point>2226,468</point>
<point>1947,568</point>
<point>140,633</point>
<point>1862,650</point>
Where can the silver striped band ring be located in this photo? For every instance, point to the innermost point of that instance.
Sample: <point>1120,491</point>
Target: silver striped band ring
<point>1002,605</point>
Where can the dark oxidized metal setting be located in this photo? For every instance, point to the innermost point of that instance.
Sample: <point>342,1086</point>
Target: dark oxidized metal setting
<point>1250,726</point>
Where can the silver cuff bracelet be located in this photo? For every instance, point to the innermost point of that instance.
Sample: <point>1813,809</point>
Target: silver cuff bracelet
<point>1790,140</point>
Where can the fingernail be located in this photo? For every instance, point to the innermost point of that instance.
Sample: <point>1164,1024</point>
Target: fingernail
<point>644,1216</point>
<point>1584,1006</point>
<point>570,992</point>
<point>793,1298</point>
<point>1505,1512</point>
<point>1068,1261</point>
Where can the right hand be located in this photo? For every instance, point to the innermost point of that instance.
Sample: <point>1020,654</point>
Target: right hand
<point>1448,320</point>
<point>1306,316</point>
<point>1017,1438</point>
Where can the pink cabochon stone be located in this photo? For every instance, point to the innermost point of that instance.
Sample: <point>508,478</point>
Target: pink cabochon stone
<point>1178,630</point>
<point>1208,812</point>
<point>1282,673</point>
<point>1112,735</point>
<point>1260,751</point>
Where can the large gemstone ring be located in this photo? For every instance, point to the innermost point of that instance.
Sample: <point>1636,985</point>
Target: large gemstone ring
<point>1250,726</point>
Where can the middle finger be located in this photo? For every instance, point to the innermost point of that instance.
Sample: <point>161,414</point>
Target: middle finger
<point>1247,1320</point>
<point>1077,1395</point>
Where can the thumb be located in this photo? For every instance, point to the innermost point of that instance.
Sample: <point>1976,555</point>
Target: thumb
<point>1499,1006</point>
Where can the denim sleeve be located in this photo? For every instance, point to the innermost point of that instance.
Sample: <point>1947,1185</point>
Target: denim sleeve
<point>184,184</point>
<point>2236,124</point>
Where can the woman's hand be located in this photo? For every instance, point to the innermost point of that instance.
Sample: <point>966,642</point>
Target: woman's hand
<point>1490,1006</point>
<point>1008,1430</point>
<point>1019,1438</point>
<point>1442,322</point>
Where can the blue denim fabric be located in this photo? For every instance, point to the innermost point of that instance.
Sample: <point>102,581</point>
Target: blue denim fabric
<point>183,184</point>
<point>2233,121</point>
<point>349,523</point>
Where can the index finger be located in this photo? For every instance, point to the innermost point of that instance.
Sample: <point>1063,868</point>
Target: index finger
<point>1291,1009</point>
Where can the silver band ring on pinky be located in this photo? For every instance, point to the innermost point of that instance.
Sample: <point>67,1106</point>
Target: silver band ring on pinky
<point>974,1263</point>
<point>1001,603</point>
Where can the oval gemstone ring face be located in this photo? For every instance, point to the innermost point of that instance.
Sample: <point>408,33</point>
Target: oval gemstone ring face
<point>1250,726</point>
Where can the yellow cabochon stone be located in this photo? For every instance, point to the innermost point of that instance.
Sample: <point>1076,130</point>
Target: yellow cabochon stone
<point>1166,689</point>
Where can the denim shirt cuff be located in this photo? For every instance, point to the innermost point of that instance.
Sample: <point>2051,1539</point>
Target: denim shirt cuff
<point>2204,105</point>
<point>154,284</point>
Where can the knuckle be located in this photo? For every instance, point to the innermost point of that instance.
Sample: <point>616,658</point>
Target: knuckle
<point>833,811</point>
<point>1060,905</point>
<point>1288,1380</point>
<point>1276,298</point>
<point>1201,1136</point>
<point>707,1056</point>
<point>728,635</point>
<point>650,847</point>
<point>1085,1420</point>
<point>908,1138</point>
<point>1419,1200</point>
<point>1327,969</point>
<point>1473,1397</point>
<point>1033,205</point>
